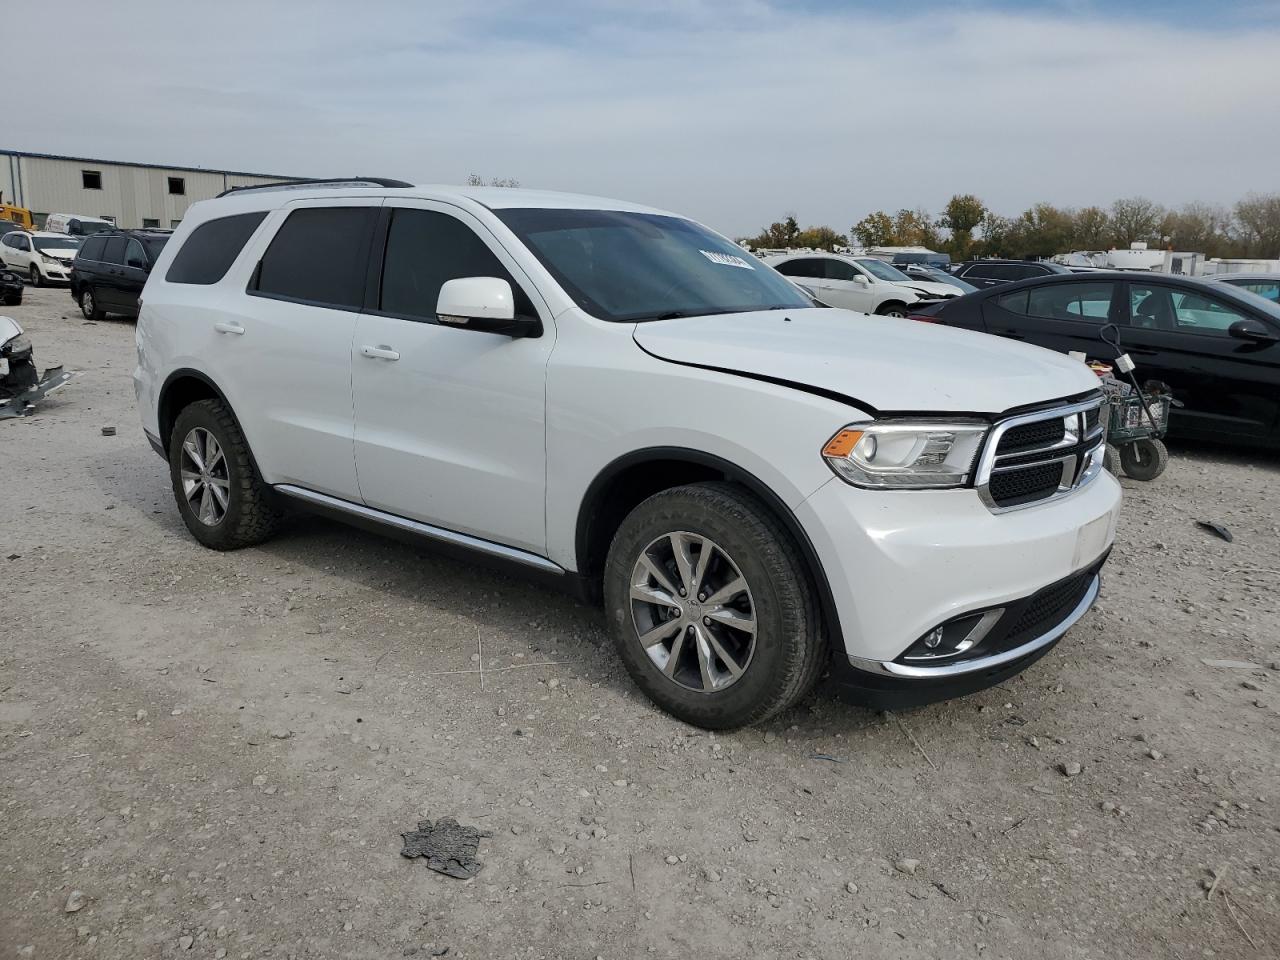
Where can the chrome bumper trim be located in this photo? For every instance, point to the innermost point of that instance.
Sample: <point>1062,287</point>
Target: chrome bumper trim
<point>891,669</point>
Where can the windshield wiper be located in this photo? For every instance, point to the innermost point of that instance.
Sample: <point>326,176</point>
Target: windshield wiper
<point>677,314</point>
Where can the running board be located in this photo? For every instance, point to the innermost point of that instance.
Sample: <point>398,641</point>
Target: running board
<point>426,530</point>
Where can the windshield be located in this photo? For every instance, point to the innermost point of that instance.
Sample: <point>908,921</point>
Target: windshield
<point>641,266</point>
<point>882,270</point>
<point>154,245</point>
<point>933,274</point>
<point>50,244</point>
<point>85,227</point>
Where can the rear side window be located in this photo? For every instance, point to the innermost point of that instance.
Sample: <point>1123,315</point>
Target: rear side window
<point>807,267</point>
<point>114,252</point>
<point>208,253</point>
<point>92,249</point>
<point>425,249</point>
<point>1090,302</point>
<point>319,255</point>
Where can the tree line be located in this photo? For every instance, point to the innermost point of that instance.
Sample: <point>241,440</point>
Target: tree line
<point>968,228</point>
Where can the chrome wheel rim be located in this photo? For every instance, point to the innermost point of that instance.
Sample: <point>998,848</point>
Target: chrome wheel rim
<point>86,303</point>
<point>206,485</point>
<point>693,612</point>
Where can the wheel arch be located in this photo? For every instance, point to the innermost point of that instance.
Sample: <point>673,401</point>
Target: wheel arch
<point>181,388</point>
<point>635,476</point>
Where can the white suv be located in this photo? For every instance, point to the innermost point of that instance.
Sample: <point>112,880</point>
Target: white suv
<point>864,284</point>
<point>620,401</point>
<point>40,257</point>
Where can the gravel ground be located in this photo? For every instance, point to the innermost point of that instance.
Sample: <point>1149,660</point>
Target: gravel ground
<point>215,754</point>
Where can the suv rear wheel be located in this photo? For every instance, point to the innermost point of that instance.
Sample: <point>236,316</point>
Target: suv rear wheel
<point>711,607</point>
<point>223,501</point>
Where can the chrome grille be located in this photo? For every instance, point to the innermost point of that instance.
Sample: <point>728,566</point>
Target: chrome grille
<point>1036,457</point>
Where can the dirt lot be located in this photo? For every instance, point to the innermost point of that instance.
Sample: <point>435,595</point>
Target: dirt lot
<point>219,751</point>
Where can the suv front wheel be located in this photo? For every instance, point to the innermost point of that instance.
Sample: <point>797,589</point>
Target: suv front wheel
<point>223,501</point>
<point>89,305</point>
<point>711,607</point>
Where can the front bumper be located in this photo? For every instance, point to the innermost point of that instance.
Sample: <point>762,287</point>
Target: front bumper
<point>54,274</point>
<point>899,563</point>
<point>1006,652</point>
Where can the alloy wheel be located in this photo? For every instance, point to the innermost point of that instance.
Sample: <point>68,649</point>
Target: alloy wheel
<point>87,306</point>
<point>693,612</point>
<point>206,483</point>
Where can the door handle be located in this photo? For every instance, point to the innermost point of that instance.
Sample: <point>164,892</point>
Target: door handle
<point>379,353</point>
<point>228,326</point>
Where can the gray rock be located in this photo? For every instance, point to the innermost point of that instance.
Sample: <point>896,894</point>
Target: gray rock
<point>281,733</point>
<point>184,943</point>
<point>907,865</point>
<point>1155,754</point>
<point>75,902</point>
<point>672,859</point>
<point>1071,769</point>
<point>851,887</point>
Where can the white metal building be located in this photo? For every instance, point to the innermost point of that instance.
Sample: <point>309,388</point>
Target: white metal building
<point>128,194</point>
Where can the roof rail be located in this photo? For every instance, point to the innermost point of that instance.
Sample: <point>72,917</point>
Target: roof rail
<point>303,184</point>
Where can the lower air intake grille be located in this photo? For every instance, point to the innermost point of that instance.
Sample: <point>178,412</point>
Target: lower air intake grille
<point>1047,609</point>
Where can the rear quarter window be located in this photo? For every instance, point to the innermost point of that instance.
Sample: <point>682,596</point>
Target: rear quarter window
<point>212,247</point>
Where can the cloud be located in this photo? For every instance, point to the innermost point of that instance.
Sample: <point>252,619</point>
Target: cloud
<point>732,113</point>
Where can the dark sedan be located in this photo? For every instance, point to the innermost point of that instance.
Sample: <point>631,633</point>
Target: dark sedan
<point>1217,347</point>
<point>11,287</point>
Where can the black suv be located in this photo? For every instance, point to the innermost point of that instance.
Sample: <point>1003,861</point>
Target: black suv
<point>989,273</point>
<point>111,268</point>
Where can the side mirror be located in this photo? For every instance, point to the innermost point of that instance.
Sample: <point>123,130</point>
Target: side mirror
<point>482,303</point>
<point>861,280</point>
<point>1252,330</point>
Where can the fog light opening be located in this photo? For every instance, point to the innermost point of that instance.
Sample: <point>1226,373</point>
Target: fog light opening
<point>955,637</point>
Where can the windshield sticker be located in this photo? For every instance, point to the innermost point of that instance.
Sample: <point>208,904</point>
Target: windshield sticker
<point>726,259</point>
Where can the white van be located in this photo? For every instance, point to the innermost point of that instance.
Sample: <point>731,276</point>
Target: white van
<point>76,224</point>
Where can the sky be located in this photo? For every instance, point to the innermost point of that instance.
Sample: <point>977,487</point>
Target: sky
<point>732,113</point>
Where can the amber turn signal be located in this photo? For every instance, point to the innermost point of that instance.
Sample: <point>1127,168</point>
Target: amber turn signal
<point>842,443</point>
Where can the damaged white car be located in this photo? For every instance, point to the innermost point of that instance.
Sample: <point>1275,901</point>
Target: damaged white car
<point>21,388</point>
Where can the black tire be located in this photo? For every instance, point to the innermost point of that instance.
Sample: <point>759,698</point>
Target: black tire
<point>14,300</point>
<point>790,648</point>
<point>892,309</point>
<point>34,276</point>
<point>89,305</point>
<point>1144,459</point>
<point>252,514</point>
<point>1111,460</point>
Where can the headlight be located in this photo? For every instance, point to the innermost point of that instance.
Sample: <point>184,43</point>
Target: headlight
<point>17,346</point>
<point>905,454</point>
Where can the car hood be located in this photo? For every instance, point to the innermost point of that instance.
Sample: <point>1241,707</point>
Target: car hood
<point>67,255</point>
<point>9,328</point>
<point>882,364</point>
